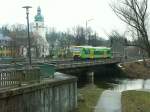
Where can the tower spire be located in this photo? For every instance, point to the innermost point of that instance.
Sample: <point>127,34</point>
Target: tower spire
<point>38,10</point>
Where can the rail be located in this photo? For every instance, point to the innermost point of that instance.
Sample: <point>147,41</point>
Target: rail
<point>17,77</point>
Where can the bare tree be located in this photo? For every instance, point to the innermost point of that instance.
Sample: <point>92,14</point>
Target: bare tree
<point>134,13</point>
<point>79,35</point>
<point>52,37</point>
<point>117,42</point>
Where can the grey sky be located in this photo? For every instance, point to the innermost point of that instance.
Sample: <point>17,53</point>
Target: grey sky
<point>64,14</point>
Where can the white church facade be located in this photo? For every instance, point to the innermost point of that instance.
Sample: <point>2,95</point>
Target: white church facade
<point>40,41</point>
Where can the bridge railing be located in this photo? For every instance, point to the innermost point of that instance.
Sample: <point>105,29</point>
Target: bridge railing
<point>17,77</point>
<point>73,64</point>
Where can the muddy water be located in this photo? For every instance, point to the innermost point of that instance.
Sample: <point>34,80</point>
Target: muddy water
<point>110,100</point>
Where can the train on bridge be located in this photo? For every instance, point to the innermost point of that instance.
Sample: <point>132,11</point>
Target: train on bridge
<point>89,52</point>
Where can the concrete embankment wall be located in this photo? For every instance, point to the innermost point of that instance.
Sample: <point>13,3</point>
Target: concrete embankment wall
<point>54,95</point>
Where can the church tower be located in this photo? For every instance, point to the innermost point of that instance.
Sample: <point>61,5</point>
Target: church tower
<point>39,31</point>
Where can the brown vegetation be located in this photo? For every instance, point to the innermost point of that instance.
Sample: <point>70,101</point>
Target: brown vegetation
<point>137,69</point>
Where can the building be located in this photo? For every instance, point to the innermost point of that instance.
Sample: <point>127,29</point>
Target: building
<point>17,46</point>
<point>7,47</point>
<point>40,42</point>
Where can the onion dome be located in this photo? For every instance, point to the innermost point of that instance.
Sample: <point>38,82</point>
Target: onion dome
<point>39,17</point>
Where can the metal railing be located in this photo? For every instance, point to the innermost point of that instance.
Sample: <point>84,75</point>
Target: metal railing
<point>17,77</point>
<point>74,64</point>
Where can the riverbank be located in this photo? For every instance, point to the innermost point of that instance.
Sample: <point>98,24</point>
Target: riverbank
<point>135,101</point>
<point>88,97</point>
<point>137,69</point>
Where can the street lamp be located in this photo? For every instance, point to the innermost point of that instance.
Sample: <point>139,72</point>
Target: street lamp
<point>87,26</point>
<point>29,42</point>
<point>125,44</point>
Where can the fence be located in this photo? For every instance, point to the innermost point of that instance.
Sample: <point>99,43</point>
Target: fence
<point>59,95</point>
<point>13,77</point>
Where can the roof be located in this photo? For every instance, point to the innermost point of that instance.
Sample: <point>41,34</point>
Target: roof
<point>102,47</point>
<point>83,46</point>
<point>5,38</point>
<point>98,47</point>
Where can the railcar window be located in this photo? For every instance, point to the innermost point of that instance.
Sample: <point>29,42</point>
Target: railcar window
<point>108,52</point>
<point>86,51</point>
<point>101,52</point>
<point>98,52</point>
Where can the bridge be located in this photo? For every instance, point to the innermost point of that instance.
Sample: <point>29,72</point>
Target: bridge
<point>86,68</point>
<point>71,64</point>
<point>20,83</point>
<point>67,66</point>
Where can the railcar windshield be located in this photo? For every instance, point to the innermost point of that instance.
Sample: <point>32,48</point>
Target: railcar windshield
<point>76,49</point>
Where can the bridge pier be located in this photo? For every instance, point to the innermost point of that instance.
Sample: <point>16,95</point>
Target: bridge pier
<point>90,77</point>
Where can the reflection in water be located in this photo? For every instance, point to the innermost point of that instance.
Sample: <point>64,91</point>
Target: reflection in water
<point>110,100</point>
<point>132,85</point>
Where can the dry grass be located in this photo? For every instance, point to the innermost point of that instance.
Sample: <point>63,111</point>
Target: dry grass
<point>135,101</point>
<point>137,70</point>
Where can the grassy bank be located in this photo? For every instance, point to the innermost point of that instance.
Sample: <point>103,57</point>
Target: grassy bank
<point>135,101</point>
<point>90,95</point>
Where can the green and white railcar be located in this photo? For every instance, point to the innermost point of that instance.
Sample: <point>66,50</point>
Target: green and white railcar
<point>102,52</point>
<point>89,52</point>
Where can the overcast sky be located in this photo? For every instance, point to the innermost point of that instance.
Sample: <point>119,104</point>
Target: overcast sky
<point>64,14</point>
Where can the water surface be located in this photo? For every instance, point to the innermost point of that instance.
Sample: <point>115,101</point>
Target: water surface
<point>110,100</point>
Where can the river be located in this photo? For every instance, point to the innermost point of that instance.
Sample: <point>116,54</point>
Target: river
<point>110,100</point>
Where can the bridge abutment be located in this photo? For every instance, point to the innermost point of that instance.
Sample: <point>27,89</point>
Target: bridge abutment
<point>50,95</point>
